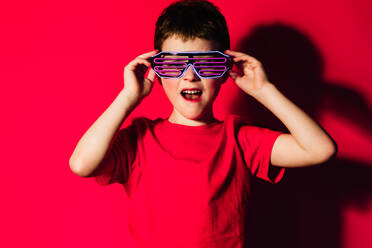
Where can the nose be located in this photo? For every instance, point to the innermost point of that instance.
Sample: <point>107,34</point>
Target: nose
<point>190,74</point>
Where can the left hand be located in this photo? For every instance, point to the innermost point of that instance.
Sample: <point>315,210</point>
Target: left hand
<point>250,75</point>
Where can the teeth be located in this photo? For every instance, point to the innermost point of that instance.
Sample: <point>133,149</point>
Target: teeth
<point>191,91</point>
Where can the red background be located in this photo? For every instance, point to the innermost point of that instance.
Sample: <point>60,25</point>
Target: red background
<point>61,65</point>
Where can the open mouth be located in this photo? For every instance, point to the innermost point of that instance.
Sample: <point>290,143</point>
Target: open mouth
<point>191,94</point>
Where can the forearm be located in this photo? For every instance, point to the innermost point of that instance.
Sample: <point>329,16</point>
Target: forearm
<point>306,132</point>
<point>95,143</point>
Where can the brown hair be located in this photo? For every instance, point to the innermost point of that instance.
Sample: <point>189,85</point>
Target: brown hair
<point>189,19</point>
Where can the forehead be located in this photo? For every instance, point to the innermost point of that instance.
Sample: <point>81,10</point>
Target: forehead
<point>176,44</point>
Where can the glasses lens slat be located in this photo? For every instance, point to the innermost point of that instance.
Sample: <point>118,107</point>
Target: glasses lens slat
<point>208,64</point>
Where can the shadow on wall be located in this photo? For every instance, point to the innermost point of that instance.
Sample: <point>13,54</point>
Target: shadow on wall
<point>304,210</point>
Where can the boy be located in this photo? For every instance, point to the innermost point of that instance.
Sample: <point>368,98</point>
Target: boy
<point>187,177</point>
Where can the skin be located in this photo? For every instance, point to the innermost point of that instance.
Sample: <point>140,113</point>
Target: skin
<point>185,112</point>
<point>307,143</point>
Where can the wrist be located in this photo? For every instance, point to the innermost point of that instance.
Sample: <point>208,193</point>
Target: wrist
<point>263,91</point>
<point>131,99</point>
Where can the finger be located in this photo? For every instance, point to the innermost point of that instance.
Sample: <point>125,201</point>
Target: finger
<point>234,53</point>
<point>151,75</point>
<point>248,60</point>
<point>241,55</point>
<point>233,75</point>
<point>239,59</point>
<point>133,64</point>
<point>148,54</point>
<point>237,70</point>
<point>240,63</point>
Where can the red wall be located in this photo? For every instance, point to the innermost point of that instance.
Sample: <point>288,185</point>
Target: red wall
<point>61,65</point>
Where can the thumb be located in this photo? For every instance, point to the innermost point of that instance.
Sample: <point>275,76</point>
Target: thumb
<point>151,75</point>
<point>233,75</point>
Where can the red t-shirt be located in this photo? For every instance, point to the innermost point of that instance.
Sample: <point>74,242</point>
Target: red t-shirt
<point>189,186</point>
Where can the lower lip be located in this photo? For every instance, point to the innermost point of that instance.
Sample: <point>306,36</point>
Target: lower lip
<point>192,100</point>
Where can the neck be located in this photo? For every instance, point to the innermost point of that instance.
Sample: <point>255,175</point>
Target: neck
<point>177,118</point>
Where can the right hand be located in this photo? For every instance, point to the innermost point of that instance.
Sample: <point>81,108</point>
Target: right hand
<point>135,83</point>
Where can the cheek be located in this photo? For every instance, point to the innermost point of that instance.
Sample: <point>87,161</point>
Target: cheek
<point>170,87</point>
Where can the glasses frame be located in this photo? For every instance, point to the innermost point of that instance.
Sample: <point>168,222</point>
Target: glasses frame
<point>190,62</point>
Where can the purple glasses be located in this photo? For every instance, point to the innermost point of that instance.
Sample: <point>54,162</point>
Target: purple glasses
<point>208,64</point>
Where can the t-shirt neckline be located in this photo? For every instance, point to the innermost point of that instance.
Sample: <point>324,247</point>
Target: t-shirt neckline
<point>202,128</point>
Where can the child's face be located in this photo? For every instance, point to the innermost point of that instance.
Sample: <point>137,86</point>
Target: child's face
<point>194,108</point>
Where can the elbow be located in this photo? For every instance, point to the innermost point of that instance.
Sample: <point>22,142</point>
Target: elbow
<point>331,150</point>
<point>327,153</point>
<point>77,167</point>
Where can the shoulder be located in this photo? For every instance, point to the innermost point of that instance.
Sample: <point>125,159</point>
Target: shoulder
<point>140,121</point>
<point>239,124</point>
<point>140,124</point>
<point>244,130</point>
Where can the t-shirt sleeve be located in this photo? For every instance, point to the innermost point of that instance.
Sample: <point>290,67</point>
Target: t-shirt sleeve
<point>119,164</point>
<point>257,144</point>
